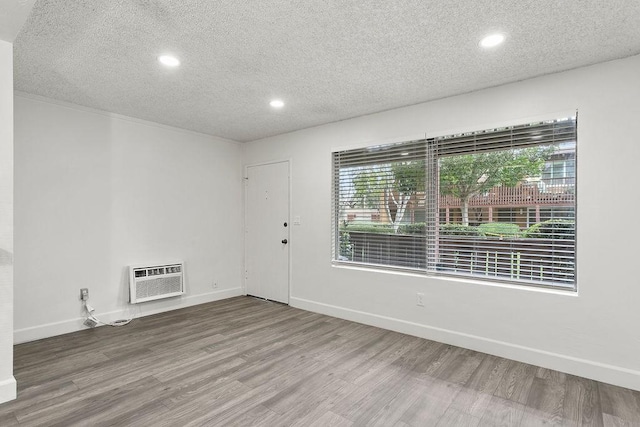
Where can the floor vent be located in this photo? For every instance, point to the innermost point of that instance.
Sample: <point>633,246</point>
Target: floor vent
<point>152,282</point>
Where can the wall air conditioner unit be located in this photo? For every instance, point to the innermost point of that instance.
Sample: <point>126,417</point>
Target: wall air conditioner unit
<point>151,282</point>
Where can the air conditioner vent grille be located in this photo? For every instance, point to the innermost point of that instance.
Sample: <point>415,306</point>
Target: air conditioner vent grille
<point>159,286</point>
<point>153,282</point>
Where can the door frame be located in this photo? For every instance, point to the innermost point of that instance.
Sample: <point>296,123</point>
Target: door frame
<point>245,179</point>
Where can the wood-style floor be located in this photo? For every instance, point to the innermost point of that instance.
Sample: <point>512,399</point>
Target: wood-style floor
<point>244,361</point>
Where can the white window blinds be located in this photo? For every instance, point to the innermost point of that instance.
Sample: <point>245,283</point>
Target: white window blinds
<point>496,204</point>
<point>379,205</point>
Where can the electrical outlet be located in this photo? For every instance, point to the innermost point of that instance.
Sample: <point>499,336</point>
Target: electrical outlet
<point>420,299</point>
<point>84,294</point>
<point>215,285</point>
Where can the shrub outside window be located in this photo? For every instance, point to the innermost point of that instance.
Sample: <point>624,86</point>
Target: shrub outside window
<point>497,204</point>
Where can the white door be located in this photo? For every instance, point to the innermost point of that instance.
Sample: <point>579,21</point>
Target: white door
<point>267,231</point>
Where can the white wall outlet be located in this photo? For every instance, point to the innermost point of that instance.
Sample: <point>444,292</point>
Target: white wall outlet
<point>84,294</point>
<point>420,299</point>
<point>214,285</point>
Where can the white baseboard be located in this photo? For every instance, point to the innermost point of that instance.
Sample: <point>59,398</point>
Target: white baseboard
<point>141,310</point>
<point>7,389</point>
<point>572,365</point>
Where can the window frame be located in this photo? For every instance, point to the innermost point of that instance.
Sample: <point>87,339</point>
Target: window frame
<point>432,213</point>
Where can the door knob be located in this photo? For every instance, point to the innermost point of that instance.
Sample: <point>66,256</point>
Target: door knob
<point>285,241</point>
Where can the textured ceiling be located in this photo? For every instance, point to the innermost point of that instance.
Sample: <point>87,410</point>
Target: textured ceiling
<point>328,60</point>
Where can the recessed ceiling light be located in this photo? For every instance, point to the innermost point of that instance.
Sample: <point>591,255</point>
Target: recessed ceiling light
<point>276,103</point>
<point>169,61</point>
<point>492,40</point>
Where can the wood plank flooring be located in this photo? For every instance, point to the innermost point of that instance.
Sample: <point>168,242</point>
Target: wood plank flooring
<point>244,361</point>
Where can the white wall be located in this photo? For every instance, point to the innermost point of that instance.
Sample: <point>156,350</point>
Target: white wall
<point>7,382</point>
<point>13,14</point>
<point>95,192</point>
<point>593,333</point>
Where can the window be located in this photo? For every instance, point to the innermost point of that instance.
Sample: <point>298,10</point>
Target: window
<point>497,204</point>
<point>380,205</point>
